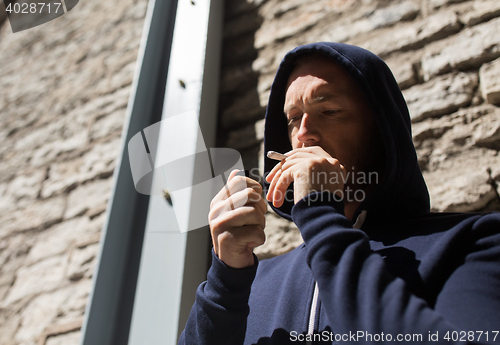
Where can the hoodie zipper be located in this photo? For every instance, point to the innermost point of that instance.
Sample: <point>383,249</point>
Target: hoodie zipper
<point>312,315</point>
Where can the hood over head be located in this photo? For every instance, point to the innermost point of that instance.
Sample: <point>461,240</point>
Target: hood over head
<point>401,191</point>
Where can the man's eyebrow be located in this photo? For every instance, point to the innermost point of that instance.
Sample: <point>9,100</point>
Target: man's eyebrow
<point>287,109</point>
<point>320,98</point>
<point>324,97</point>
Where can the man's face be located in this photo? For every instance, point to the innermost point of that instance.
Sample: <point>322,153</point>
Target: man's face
<point>325,108</point>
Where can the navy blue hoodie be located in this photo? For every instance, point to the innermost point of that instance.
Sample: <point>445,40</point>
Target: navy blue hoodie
<point>401,274</point>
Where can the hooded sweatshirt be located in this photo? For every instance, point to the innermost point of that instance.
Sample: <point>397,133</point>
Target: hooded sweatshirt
<point>399,274</point>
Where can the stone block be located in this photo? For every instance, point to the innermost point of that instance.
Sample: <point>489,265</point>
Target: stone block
<point>237,79</point>
<point>438,26</point>
<point>279,30</point>
<point>118,80</point>
<point>242,138</point>
<point>245,23</point>
<point>55,135</point>
<point>10,165</point>
<point>49,151</point>
<point>13,255</point>
<point>36,216</point>
<point>283,10</point>
<point>71,338</point>
<point>486,132</point>
<point>281,237</point>
<point>469,49</point>
<point>88,196</point>
<point>237,50</point>
<point>250,157</point>
<point>38,136</point>
<point>482,11</point>
<point>489,77</point>
<point>109,125</point>
<point>264,98</point>
<point>455,161</point>
<point>39,278</point>
<point>6,280</point>
<point>61,237</point>
<point>3,292</point>
<point>243,110</point>
<point>62,177</point>
<point>98,107</point>
<point>259,129</point>
<point>379,18</point>
<point>412,35</point>
<point>73,307</point>
<point>440,96</point>
<point>97,163</point>
<point>393,14</point>
<point>266,63</point>
<point>7,202</point>
<point>9,323</point>
<point>386,41</point>
<point>97,210</point>
<point>264,86</point>
<point>237,7</point>
<point>82,262</point>
<point>274,10</point>
<point>246,137</point>
<point>27,185</point>
<point>38,314</point>
<point>435,4</point>
<point>460,184</point>
<point>404,67</point>
<point>431,129</point>
<point>435,128</point>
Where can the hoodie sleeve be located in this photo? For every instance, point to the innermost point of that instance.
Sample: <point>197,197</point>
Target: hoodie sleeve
<point>360,295</point>
<point>219,314</point>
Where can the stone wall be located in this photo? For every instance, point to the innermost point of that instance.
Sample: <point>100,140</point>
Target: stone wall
<point>65,87</point>
<point>64,92</point>
<point>445,55</point>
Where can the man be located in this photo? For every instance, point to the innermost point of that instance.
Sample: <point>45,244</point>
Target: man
<point>376,266</point>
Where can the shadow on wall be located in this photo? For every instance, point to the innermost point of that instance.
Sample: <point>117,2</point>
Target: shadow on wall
<point>239,106</point>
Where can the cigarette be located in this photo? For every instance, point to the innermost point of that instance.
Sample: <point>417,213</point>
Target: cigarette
<point>276,156</point>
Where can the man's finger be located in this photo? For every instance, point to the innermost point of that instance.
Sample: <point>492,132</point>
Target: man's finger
<point>246,197</point>
<point>281,187</point>
<point>274,170</point>
<point>270,191</point>
<point>232,174</point>
<point>246,215</point>
<point>239,240</point>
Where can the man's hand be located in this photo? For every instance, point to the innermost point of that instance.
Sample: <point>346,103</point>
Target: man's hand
<point>310,169</point>
<point>237,221</point>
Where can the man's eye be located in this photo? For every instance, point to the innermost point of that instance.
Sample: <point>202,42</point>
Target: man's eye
<point>293,120</point>
<point>329,112</point>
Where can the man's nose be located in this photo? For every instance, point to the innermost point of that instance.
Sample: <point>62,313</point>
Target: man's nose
<point>308,132</point>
